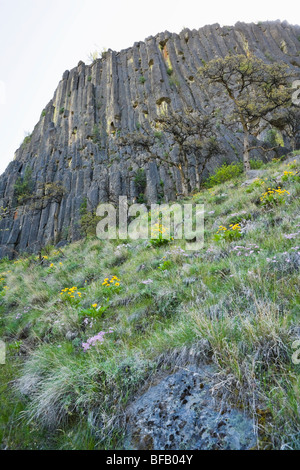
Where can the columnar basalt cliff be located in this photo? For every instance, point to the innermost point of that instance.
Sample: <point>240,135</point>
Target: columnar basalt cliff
<point>74,145</point>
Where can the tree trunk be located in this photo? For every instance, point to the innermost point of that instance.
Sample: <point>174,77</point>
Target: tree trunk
<point>56,232</point>
<point>246,152</point>
<point>184,183</point>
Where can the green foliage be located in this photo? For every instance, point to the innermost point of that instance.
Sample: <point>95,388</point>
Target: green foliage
<point>236,301</point>
<point>96,134</point>
<point>83,206</point>
<point>256,164</point>
<point>244,76</point>
<point>158,135</point>
<point>15,433</point>
<point>168,304</point>
<point>23,187</point>
<point>157,242</point>
<point>224,173</point>
<point>274,197</point>
<point>140,181</point>
<point>233,232</point>
<point>88,220</point>
<point>165,265</point>
<point>95,55</point>
<point>174,82</point>
<point>95,311</point>
<point>27,139</point>
<point>4,212</point>
<point>142,80</point>
<point>274,138</point>
<point>104,52</point>
<point>62,110</point>
<point>159,235</point>
<point>53,192</point>
<point>170,71</point>
<point>88,224</point>
<point>289,176</point>
<point>269,56</point>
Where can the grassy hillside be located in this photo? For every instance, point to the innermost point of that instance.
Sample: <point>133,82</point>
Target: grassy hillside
<point>79,346</point>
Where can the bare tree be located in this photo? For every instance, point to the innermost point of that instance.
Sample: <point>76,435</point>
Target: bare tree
<point>192,134</point>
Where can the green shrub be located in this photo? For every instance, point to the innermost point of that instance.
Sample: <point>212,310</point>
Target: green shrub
<point>158,135</point>
<point>96,134</point>
<point>140,181</point>
<point>23,187</point>
<point>88,221</point>
<point>174,82</point>
<point>224,173</point>
<point>88,224</point>
<point>104,53</point>
<point>27,139</point>
<point>142,80</point>
<point>274,138</point>
<point>256,164</point>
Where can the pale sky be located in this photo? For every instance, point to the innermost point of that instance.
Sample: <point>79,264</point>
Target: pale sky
<point>40,39</point>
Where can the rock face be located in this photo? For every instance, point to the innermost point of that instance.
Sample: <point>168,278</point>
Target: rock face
<point>74,145</point>
<point>179,413</point>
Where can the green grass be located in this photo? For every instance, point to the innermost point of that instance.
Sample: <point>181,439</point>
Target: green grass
<point>229,303</point>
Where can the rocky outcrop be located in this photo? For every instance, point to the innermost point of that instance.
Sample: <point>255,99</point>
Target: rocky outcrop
<point>74,144</point>
<point>180,412</point>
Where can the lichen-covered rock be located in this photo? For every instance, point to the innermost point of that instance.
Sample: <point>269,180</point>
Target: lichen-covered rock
<point>180,413</point>
<point>74,144</point>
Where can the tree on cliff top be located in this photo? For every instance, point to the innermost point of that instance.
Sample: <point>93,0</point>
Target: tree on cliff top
<point>255,89</point>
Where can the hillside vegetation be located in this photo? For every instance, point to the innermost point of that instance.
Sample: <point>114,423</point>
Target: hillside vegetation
<point>86,326</point>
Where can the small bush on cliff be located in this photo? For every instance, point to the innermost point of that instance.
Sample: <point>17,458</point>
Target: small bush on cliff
<point>96,134</point>
<point>27,139</point>
<point>24,187</point>
<point>140,181</point>
<point>88,221</point>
